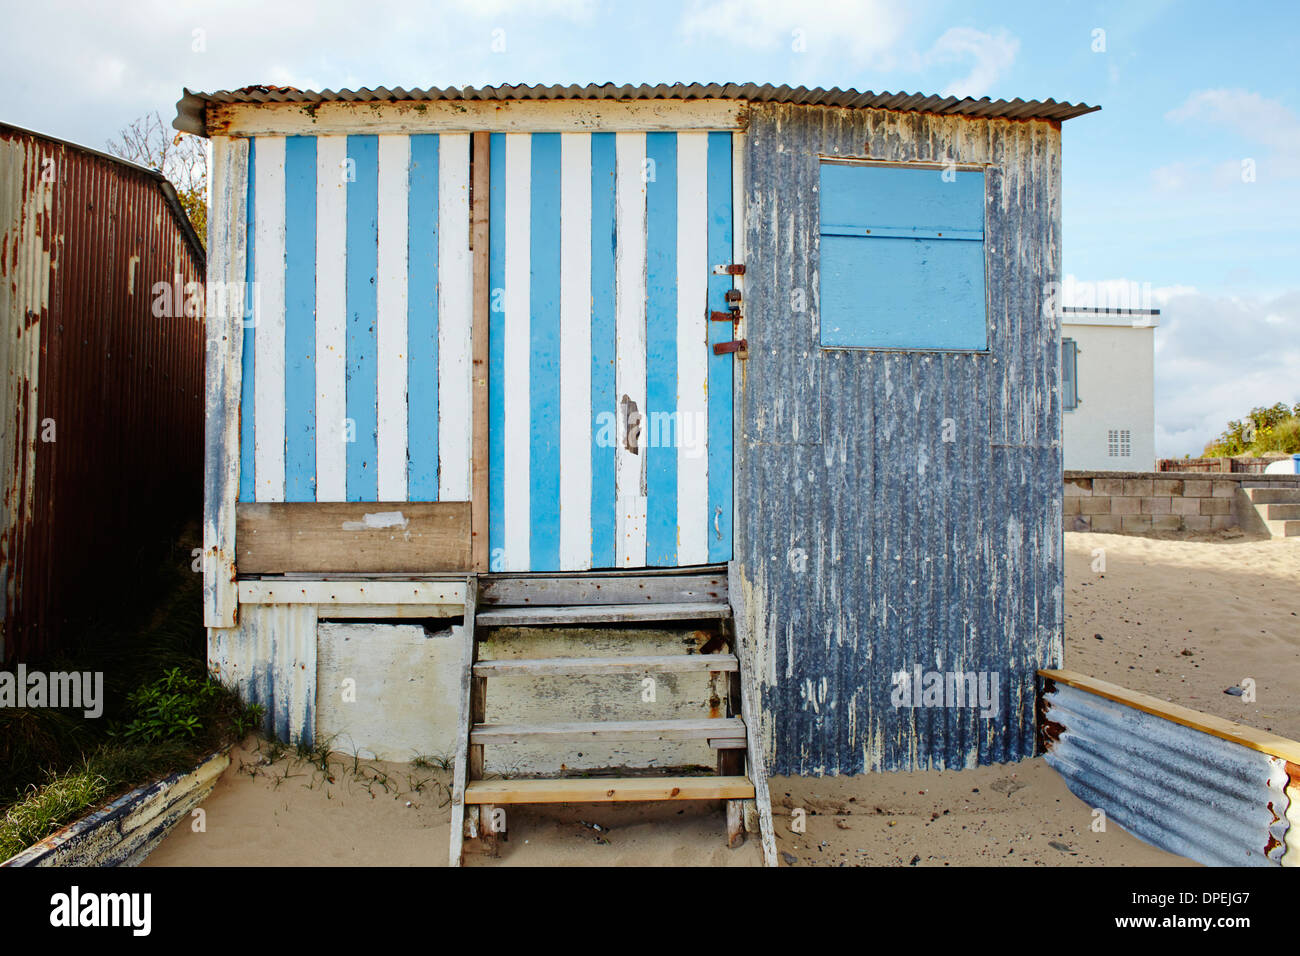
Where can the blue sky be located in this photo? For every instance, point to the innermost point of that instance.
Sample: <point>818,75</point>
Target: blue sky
<point>1154,192</point>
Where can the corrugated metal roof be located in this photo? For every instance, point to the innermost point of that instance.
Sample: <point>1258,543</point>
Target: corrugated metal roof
<point>165,184</point>
<point>190,107</point>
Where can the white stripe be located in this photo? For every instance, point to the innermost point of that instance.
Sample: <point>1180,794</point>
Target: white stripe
<point>692,348</point>
<point>519,151</point>
<point>268,375</point>
<point>629,364</point>
<point>331,318</point>
<point>576,430</point>
<point>455,311</point>
<point>390,299</point>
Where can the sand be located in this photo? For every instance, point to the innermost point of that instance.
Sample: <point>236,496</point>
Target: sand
<point>1231,602</point>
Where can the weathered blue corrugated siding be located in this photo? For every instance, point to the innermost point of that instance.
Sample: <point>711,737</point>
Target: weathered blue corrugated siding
<point>919,552</point>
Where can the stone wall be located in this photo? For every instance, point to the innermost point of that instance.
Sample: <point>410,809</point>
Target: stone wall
<point>1138,502</point>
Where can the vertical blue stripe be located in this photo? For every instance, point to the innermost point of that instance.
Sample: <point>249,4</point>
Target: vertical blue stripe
<point>544,352</point>
<point>604,400</point>
<point>247,478</point>
<point>422,321</point>
<point>362,337</point>
<point>720,366</point>
<point>300,318</point>
<point>497,350</point>
<point>659,429</point>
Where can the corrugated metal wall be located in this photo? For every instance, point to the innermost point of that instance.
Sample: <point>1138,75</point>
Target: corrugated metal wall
<point>102,402</point>
<point>868,545</point>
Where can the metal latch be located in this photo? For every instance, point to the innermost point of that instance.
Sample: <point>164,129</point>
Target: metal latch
<point>739,346</point>
<point>729,270</point>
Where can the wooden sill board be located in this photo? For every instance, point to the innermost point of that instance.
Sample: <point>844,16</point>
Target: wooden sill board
<point>608,790</point>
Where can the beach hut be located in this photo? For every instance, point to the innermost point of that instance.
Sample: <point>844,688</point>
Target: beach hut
<point>782,365</point>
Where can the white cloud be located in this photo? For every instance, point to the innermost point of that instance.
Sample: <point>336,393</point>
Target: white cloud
<point>868,29</point>
<point>993,54</point>
<point>1267,137</point>
<point>1218,357</point>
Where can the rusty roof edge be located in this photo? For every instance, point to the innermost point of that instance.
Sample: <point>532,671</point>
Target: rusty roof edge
<point>168,190</point>
<point>191,107</point>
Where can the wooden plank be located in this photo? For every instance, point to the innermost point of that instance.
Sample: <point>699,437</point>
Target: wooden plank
<point>353,536</point>
<point>576,421</point>
<point>719,728</point>
<point>608,790</point>
<point>557,591</point>
<point>503,116</point>
<point>516,424</point>
<point>461,765</point>
<point>482,291</point>
<point>391,304</point>
<point>750,698</point>
<point>268,333</point>
<point>331,317</point>
<point>735,823</point>
<point>440,593</point>
<point>600,614</point>
<point>227,230</point>
<point>630,350</point>
<point>1258,740</point>
<point>455,320</point>
<point>559,666</point>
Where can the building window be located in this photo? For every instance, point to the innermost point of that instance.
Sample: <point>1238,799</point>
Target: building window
<point>902,258</point>
<point>1117,443</point>
<point>1069,375</point>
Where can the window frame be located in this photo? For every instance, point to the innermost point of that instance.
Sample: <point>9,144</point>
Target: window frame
<point>1074,400</point>
<point>986,169</point>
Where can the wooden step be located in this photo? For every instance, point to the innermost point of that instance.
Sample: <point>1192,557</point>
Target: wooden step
<point>606,588</point>
<point>723,733</point>
<point>608,790</point>
<point>601,614</point>
<point>564,666</point>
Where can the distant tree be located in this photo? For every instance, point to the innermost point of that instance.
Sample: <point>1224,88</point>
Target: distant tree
<point>182,158</point>
<point>1271,430</point>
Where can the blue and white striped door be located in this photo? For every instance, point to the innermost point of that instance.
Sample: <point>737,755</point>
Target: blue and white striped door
<point>610,417</point>
<point>356,367</point>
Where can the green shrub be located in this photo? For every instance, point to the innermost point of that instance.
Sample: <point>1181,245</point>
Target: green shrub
<point>176,706</point>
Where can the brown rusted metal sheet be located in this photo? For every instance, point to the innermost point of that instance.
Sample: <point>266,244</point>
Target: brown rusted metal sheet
<point>102,379</point>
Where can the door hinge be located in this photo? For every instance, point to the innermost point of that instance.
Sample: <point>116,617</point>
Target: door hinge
<point>729,270</point>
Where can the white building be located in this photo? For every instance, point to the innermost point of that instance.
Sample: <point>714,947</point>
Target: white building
<point>1108,389</point>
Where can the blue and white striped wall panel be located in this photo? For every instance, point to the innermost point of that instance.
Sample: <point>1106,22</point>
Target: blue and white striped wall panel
<point>602,253</point>
<point>356,369</point>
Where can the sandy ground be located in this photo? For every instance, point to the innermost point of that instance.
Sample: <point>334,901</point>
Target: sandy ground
<point>1181,620</point>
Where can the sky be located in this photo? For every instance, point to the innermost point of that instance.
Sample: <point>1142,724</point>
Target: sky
<point>1184,189</point>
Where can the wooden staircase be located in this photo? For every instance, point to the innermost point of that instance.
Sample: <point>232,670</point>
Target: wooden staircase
<point>602,600</point>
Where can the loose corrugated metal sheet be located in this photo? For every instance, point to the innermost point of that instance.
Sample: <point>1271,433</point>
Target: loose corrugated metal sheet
<point>1177,788</point>
<point>868,544</point>
<point>102,408</point>
<point>190,108</point>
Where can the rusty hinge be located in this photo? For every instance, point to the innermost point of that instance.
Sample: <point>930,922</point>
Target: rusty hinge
<point>739,346</point>
<point>729,270</point>
<point>731,315</point>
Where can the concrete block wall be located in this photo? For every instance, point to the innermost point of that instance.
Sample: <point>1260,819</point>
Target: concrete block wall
<point>1141,502</point>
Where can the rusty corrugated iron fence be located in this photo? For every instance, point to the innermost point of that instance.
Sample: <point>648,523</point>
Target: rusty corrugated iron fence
<point>102,404</point>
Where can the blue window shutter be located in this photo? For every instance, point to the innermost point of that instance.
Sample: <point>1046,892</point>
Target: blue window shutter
<point>902,258</point>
